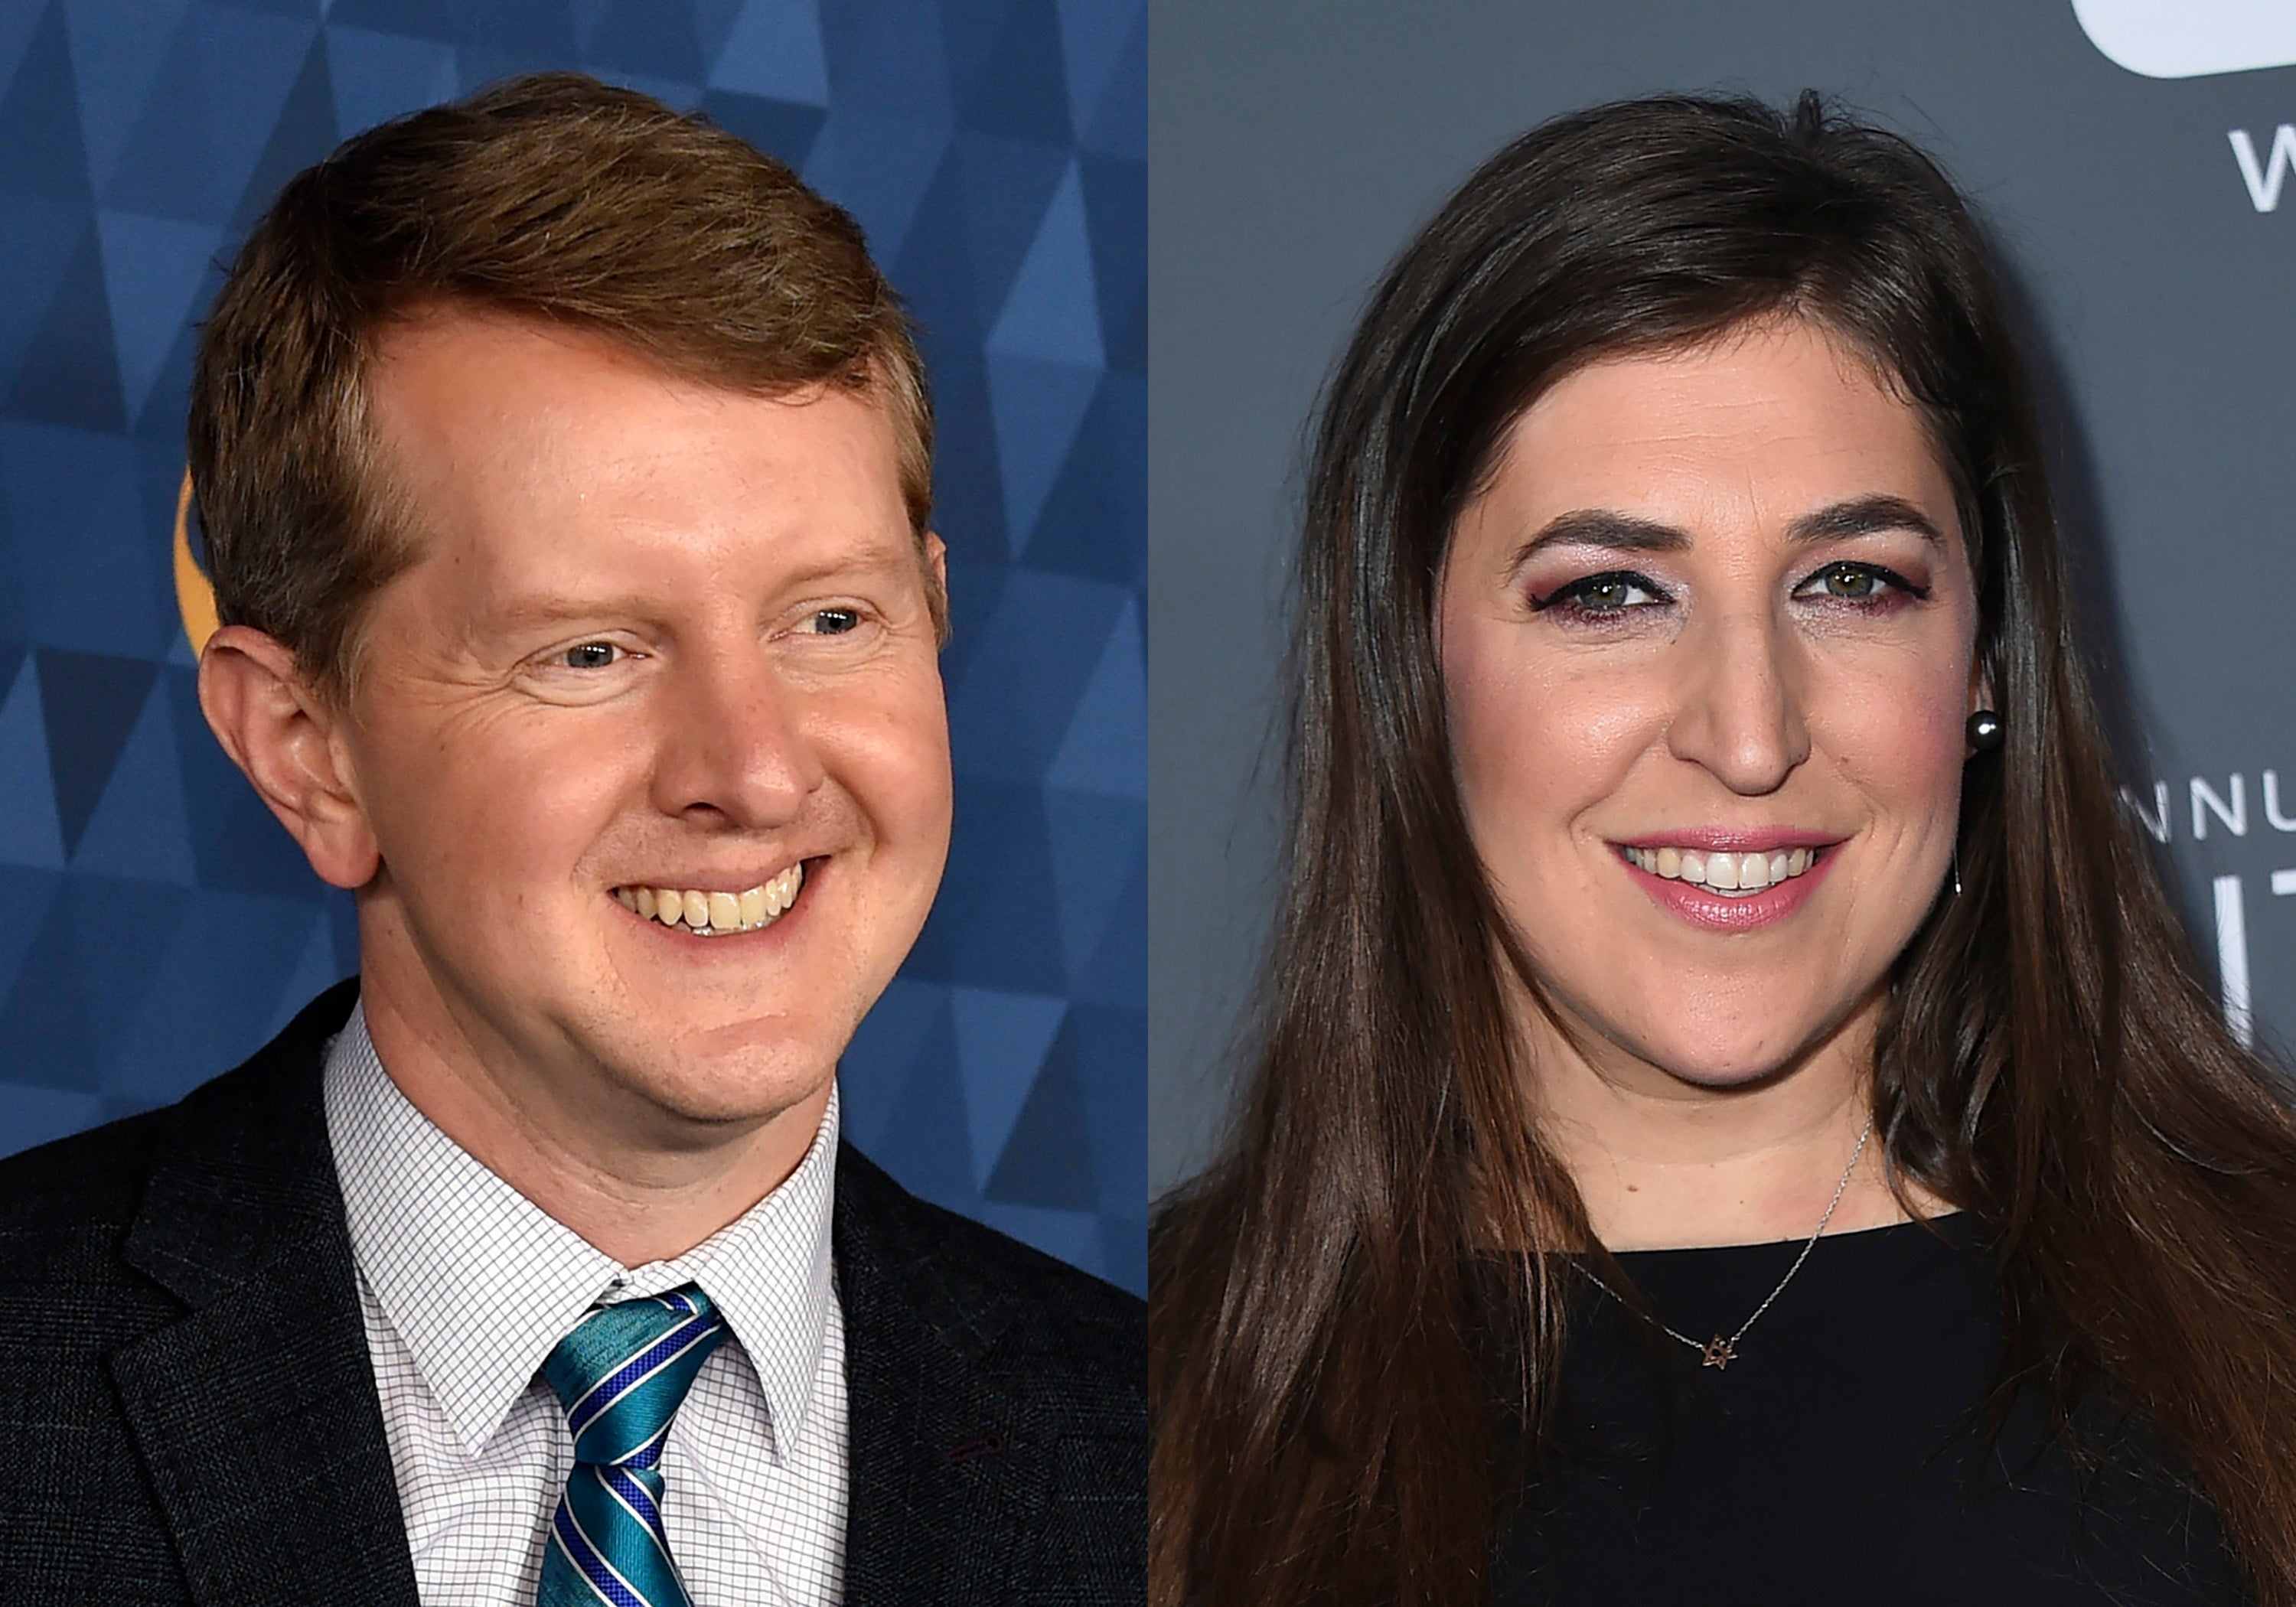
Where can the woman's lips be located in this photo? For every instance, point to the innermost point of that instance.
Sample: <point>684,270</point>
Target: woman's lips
<point>1722,871</point>
<point>1732,840</point>
<point>1709,886</point>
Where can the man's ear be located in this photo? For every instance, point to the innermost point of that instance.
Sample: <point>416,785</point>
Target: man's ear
<point>281,733</point>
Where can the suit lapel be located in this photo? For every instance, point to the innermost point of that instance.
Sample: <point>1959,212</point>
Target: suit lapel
<point>946,1482</point>
<point>255,1412</point>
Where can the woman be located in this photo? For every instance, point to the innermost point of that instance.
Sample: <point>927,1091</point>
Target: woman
<point>1735,1114</point>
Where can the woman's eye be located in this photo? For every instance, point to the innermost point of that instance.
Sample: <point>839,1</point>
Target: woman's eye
<point>1601,594</point>
<point>591,655</point>
<point>1848,581</point>
<point>1857,583</point>
<point>835,621</point>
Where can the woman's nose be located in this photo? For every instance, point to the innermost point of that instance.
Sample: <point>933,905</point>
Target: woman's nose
<point>1738,712</point>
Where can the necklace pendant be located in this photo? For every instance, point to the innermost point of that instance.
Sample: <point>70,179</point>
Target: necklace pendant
<point>1719,1352</point>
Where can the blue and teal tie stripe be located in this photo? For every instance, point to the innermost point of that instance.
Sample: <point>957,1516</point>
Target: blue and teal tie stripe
<point>621,1376</point>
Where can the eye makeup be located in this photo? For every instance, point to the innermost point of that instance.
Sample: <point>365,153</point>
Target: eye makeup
<point>1609,595</point>
<point>1891,590</point>
<point>1602,598</point>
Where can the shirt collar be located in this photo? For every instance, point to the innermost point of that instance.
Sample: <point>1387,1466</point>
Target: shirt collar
<point>482,1284</point>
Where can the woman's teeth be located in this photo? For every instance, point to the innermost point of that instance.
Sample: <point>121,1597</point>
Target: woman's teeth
<point>1735,873</point>
<point>715,915</point>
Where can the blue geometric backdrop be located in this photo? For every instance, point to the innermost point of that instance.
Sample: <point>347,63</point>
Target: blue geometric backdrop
<point>159,924</point>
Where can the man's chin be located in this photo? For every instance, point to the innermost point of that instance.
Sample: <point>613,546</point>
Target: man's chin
<point>707,1098</point>
<point>747,1070</point>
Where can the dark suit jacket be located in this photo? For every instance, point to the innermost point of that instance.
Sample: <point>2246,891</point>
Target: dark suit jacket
<point>188,1414</point>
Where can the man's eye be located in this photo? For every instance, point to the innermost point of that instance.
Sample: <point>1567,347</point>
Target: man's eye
<point>591,655</point>
<point>835,621</point>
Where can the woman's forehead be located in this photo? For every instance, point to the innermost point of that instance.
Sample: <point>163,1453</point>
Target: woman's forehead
<point>1765,426</point>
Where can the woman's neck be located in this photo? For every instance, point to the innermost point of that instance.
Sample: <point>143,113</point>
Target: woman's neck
<point>1664,1163</point>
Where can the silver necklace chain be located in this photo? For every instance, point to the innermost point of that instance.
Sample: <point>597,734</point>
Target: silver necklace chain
<point>1720,1352</point>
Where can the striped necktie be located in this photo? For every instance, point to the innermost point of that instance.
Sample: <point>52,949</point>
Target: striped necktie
<point>621,1375</point>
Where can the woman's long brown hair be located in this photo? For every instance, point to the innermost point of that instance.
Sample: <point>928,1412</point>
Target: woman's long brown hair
<point>1329,1417</point>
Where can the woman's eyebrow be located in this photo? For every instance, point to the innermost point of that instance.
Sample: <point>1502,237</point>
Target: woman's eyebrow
<point>1612,531</point>
<point>1605,528</point>
<point>1864,516</point>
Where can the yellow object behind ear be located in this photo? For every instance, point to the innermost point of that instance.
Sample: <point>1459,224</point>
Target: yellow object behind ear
<point>194,596</point>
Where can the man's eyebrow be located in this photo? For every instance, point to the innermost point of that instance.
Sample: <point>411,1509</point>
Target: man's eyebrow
<point>538,610</point>
<point>1612,531</point>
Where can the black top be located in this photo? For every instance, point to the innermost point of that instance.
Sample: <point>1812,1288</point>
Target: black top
<point>1841,1456</point>
<point>192,1415</point>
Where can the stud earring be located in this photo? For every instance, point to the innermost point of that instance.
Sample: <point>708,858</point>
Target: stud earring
<point>1984,731</point>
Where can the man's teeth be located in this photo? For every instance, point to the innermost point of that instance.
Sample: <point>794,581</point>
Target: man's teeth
<point>715,915</point>
<point>1739,873</point>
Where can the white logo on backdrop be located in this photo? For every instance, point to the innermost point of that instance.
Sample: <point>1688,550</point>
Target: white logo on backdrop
<point>2265,178</point>
<point>2189,38</point>
<point>2216,813</point>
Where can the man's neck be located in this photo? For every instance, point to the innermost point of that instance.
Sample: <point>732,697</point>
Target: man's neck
<point>635,1181</point>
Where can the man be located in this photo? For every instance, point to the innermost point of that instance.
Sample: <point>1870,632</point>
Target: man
<point>564,468</point>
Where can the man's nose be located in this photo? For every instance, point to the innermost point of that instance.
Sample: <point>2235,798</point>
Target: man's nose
<point>1739,713</point>
<point>734,743</point>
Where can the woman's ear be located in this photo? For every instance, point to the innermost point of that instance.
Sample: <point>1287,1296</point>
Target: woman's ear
<point>287,739</point>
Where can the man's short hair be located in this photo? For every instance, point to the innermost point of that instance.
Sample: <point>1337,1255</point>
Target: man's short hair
<point>553,197</point>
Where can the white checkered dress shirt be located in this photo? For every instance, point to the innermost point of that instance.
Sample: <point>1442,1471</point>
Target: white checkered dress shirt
<point>465,1286</point>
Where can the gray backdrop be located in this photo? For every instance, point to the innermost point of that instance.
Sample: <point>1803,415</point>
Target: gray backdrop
<point>2151,222</point>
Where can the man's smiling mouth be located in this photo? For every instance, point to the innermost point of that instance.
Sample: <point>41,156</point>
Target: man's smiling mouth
<point>716,914</point>
<point>1734,875</point>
